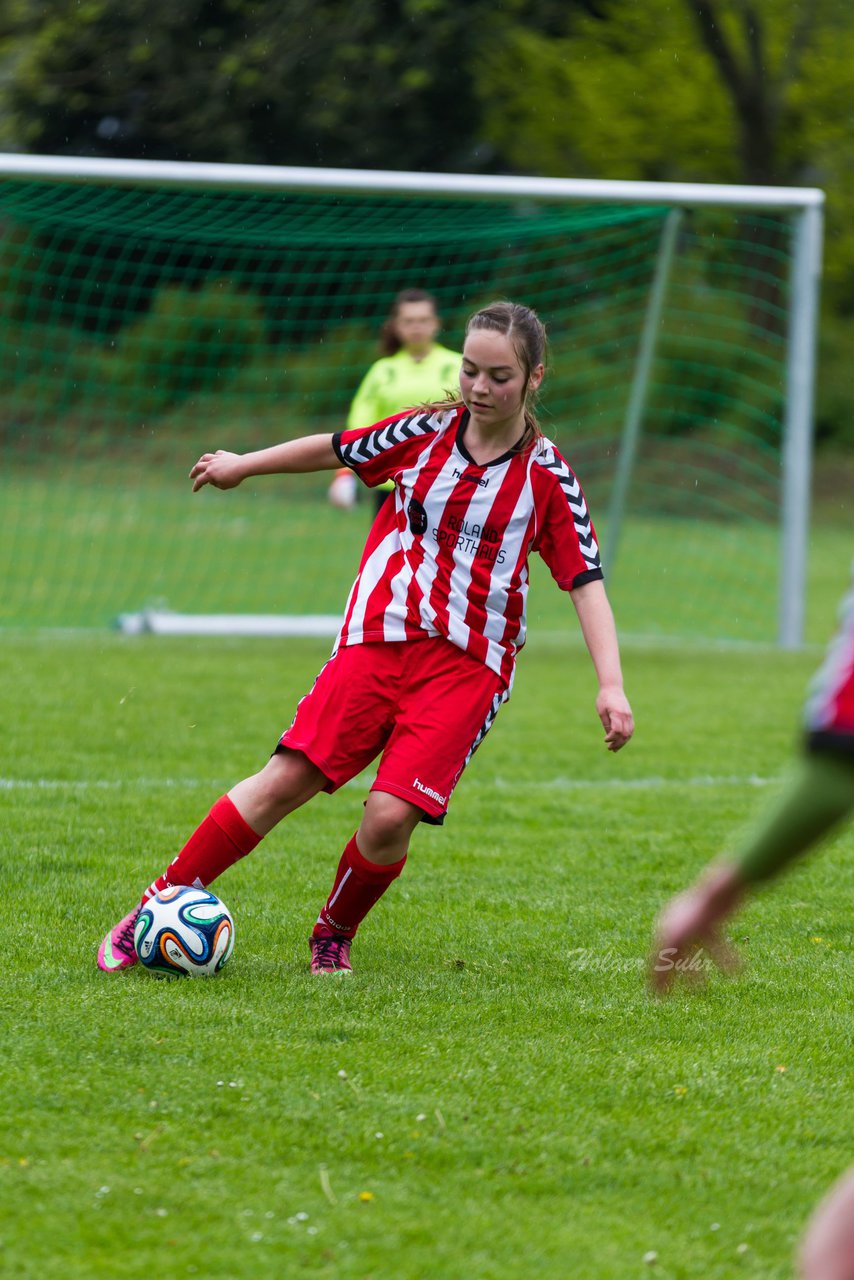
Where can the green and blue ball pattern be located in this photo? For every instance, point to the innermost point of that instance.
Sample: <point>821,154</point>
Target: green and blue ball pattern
<point>184,931</point>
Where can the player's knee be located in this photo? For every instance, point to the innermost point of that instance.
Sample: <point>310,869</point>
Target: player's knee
<point>289,778</point>
<point>388,821</point>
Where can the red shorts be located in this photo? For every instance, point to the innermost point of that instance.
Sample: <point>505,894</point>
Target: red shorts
<point>426,705</point>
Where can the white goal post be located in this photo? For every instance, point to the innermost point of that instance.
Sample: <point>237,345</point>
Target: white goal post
<point>802,206</point>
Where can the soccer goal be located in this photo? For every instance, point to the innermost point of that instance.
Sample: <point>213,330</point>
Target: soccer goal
<point>150,311</point>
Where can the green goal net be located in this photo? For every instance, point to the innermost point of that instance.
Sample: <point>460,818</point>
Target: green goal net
<point>142,324</point>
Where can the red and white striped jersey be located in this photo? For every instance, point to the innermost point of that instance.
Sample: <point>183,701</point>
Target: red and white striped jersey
<point>448,553</point>
<point>830,706</point>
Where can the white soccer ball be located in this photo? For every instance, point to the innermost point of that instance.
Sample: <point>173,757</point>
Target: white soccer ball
<point>184,931</point>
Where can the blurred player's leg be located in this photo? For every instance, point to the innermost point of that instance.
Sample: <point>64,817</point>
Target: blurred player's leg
<point>827,1252</point>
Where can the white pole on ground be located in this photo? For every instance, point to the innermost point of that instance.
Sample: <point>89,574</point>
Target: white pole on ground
<point>798,424</point>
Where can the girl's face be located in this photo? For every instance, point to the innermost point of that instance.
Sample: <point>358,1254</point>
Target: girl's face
<point>493,382</point>
<point>416,325</point>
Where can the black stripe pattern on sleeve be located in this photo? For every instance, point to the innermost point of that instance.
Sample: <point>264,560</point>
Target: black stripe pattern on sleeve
<point>575,501</point>
<point>364,448</point>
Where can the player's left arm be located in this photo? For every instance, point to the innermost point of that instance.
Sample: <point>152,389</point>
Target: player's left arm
<point>600,636</point>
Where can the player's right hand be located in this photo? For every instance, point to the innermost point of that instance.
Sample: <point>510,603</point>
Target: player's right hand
<point>221,469</point>
<point>688,934</point>
<point>343,490</point>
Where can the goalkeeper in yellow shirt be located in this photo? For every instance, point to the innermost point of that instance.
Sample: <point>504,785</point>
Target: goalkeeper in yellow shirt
<point>414,369</point>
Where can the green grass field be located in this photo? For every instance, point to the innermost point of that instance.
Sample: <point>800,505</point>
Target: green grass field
<point>493,1094</point>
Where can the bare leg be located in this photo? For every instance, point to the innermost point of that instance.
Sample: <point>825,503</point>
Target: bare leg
<point>386,827</point>
<point>286,782</point>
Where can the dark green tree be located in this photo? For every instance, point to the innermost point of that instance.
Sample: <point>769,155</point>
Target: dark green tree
<point>355,83</point>
<point>750,91</point>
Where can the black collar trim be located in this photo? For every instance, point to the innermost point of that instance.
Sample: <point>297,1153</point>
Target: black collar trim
<point>461,445</point>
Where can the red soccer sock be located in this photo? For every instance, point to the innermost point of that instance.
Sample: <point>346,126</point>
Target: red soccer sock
<point>358,885</point>
<point>216,844</point>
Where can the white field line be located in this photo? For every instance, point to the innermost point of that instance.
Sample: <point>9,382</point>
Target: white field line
<point>634,784</point>
<point>100,784</point>
<point>654,783</point>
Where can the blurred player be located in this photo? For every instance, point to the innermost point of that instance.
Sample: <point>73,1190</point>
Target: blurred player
<point>413,369</point>
<point>427,650</point>
<point>827,1250</point>
<point>820,796</point>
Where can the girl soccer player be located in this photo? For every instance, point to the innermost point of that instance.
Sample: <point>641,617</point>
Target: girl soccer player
<point>435,618</point>
<point>412,368</point>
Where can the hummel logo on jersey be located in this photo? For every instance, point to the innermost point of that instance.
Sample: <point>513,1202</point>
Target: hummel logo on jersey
<point>428,791</point>
<point>463,475</point>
